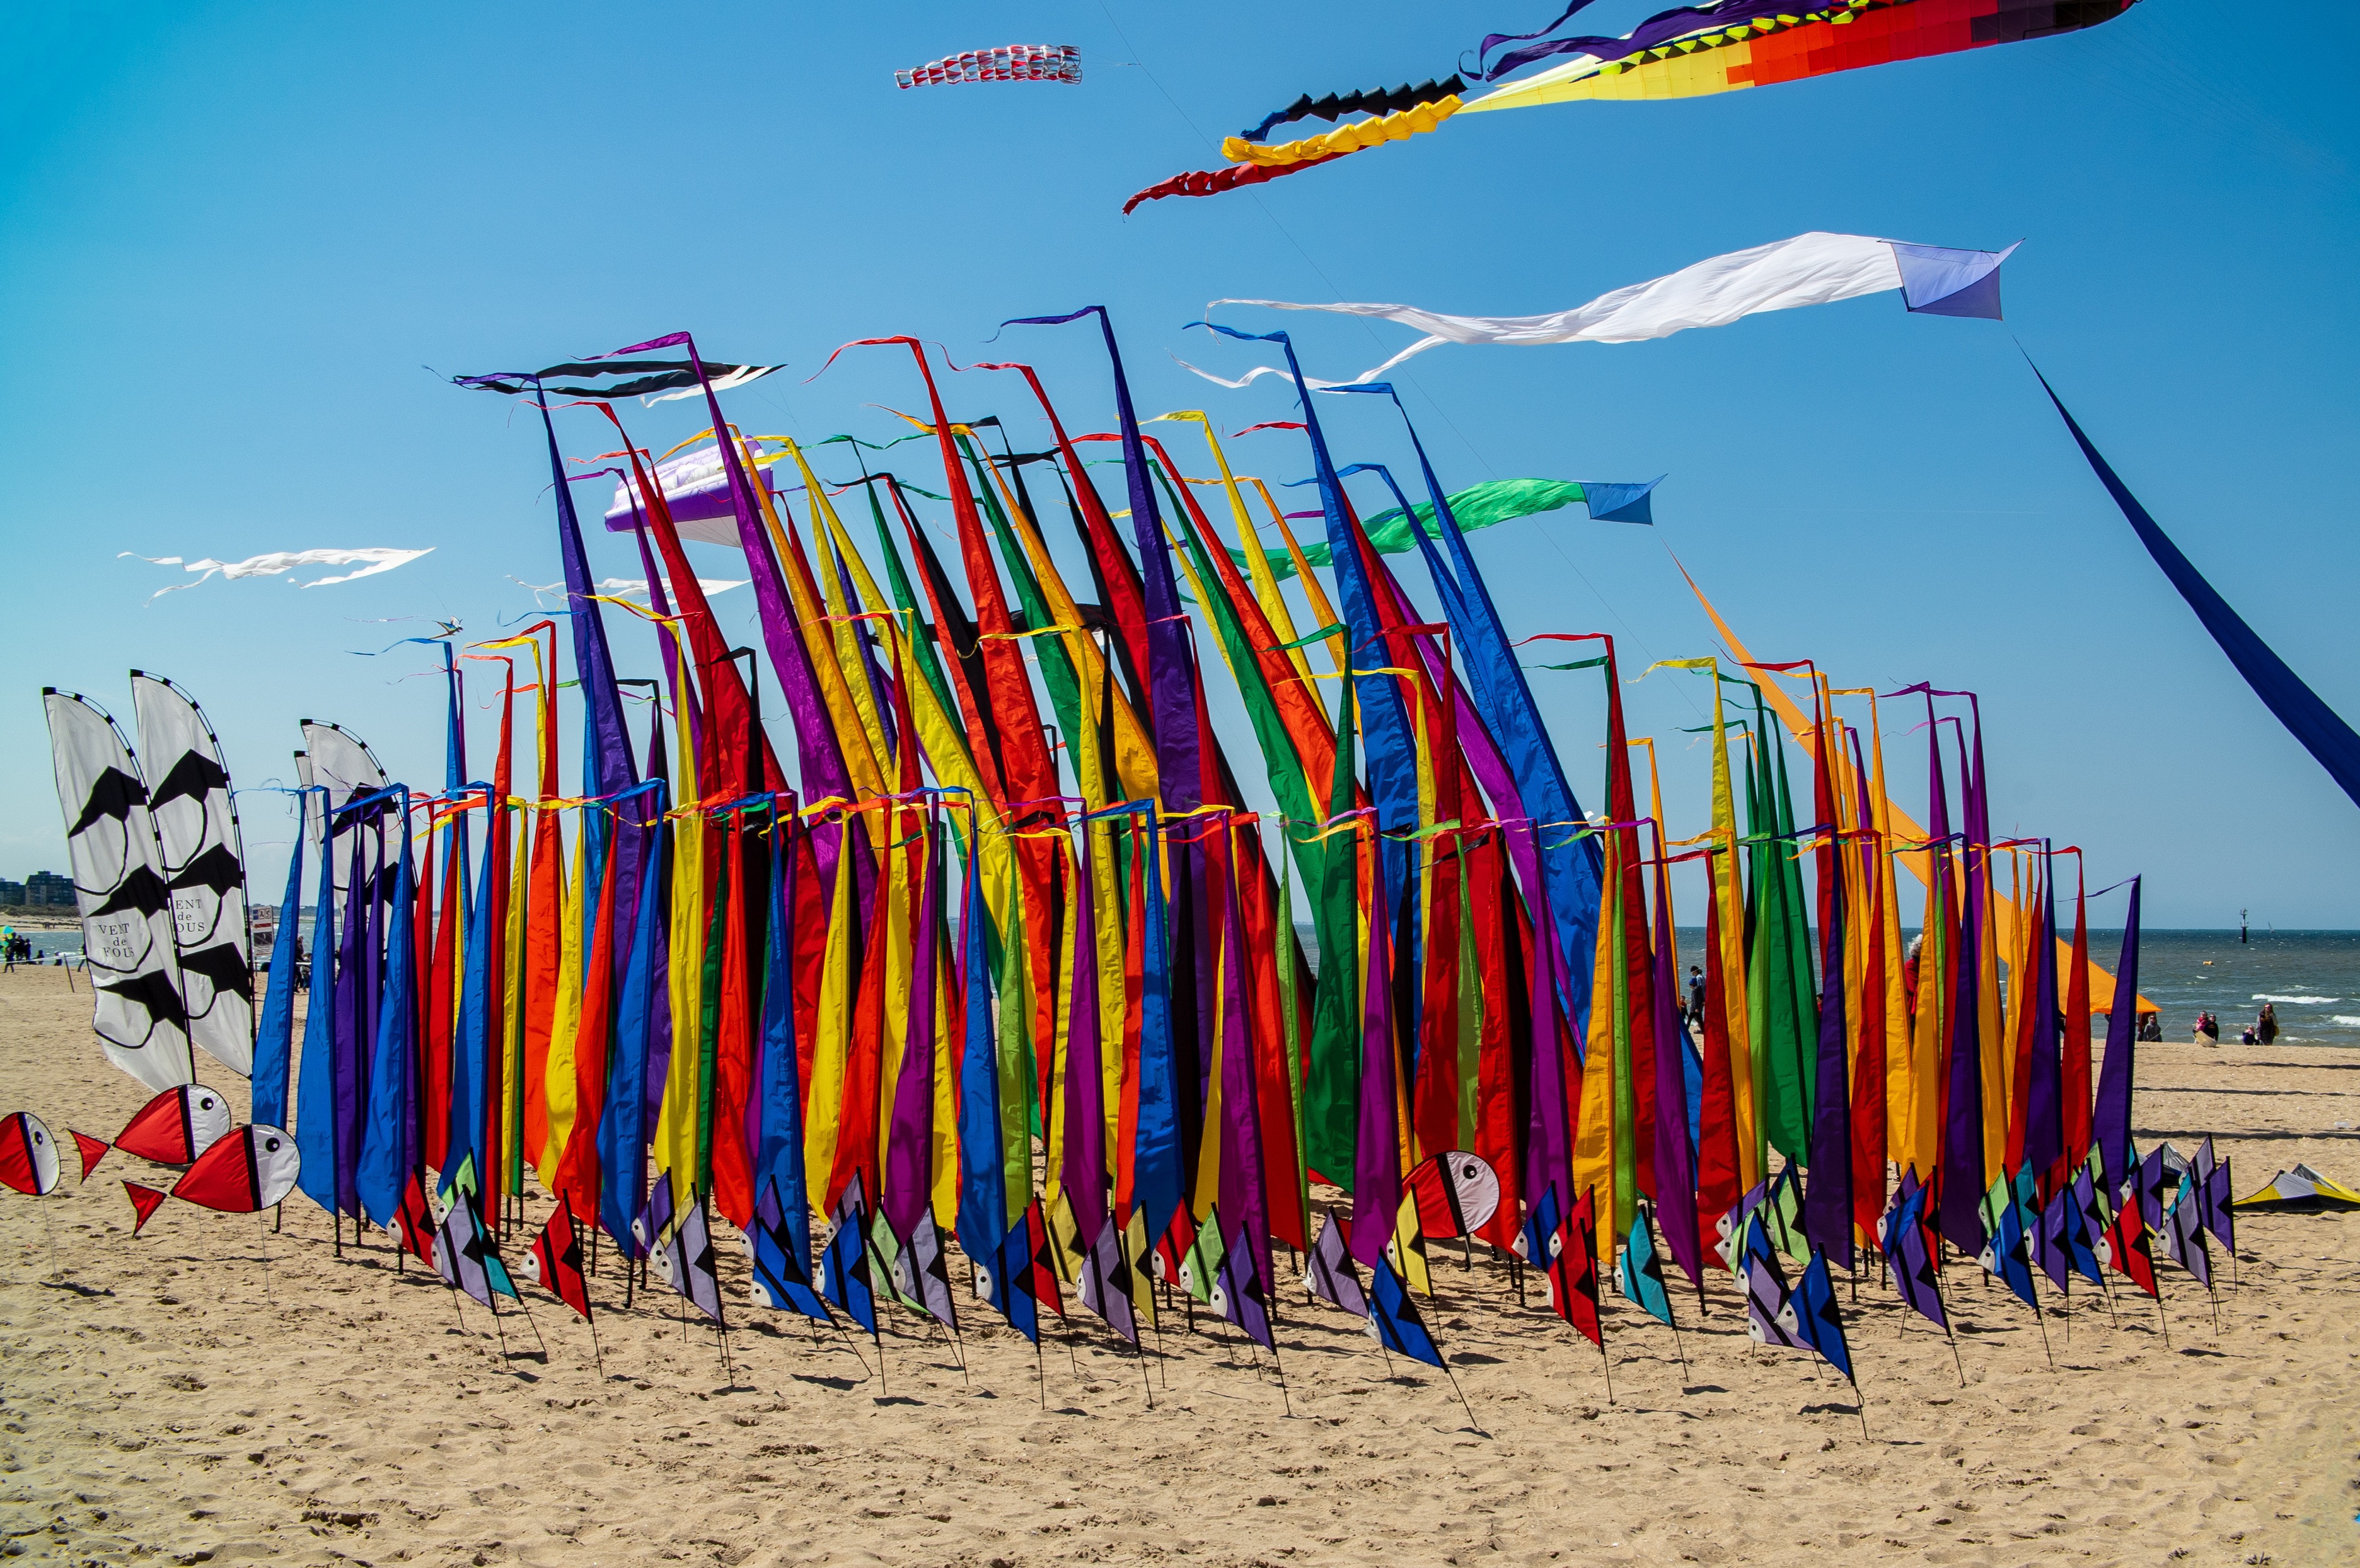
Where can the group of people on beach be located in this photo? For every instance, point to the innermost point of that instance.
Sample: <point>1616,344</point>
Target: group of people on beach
<point>2261,1031</point>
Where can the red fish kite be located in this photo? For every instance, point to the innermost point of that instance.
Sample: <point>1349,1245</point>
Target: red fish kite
<point>177,1126</point>
<point>252,1170</point>
<point>413,1224</point>
<point>554,1262</point>
<point>28,1154</point>
<point>1456,1191</point>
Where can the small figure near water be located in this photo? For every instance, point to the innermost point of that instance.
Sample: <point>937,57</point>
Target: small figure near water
<point>2207,1029</point>
<point>2266,1028</point>
<point>2150,1026</point>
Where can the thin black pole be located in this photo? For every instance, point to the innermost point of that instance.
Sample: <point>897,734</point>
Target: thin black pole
<point>530,1323</point>
<point>1948,1333</point>
<point>1460,1392</point>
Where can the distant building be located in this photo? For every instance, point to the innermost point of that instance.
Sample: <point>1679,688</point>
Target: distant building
<point>11,894</point>
<point>48,889</point>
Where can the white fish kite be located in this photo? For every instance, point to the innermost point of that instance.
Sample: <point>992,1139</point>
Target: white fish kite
<point>1810,269</point>
<point>279,562</point>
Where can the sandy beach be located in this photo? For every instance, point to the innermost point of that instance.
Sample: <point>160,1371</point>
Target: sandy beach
<point>214,1391</point>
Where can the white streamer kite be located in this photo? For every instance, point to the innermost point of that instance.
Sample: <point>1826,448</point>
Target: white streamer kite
<point>1810,269</point>
<point>279,562</point>
<point>631,587</point>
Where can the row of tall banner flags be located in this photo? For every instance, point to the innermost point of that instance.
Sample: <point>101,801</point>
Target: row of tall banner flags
<point>992,946</point>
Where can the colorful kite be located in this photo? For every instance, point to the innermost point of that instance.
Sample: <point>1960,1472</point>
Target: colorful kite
<point>1378,101</point>
<point>1687,52</point>
<point>1213,181</point>
<point>1400,124</point>
<point>1011,63</point>
<point>1695,50</point>
<point>1405,112</point>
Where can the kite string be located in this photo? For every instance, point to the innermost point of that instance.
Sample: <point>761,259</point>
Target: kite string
<point>1308,259</point>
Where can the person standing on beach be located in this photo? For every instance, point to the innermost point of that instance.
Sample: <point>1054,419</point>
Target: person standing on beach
<point>2266,1026</point>
<point>2207,1029</point>
<point>1696,996</point>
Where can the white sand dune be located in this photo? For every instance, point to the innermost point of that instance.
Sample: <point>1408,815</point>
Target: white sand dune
<point>214,1391</point>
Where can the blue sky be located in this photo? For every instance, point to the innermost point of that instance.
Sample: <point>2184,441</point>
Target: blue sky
<point>232,238</point>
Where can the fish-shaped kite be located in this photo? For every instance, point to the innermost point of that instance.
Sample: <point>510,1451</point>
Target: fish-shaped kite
<point>28,1154</point>
<point>251,1169</point>
<point>1456,1192</point>
<point>175,1128</point>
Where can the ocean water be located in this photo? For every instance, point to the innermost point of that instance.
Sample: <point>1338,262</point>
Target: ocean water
<point>2313,977</point>
<point>46,942</point>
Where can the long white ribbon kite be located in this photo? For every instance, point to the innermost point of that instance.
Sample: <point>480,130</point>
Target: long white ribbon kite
<point>1810,269</point>
<point>279,562</point>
